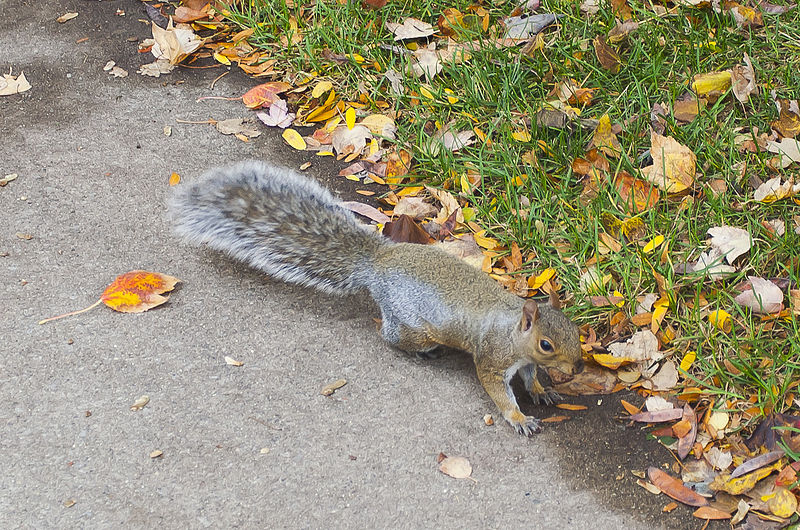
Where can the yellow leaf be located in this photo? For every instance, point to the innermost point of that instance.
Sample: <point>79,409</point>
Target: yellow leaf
<point>542,278</point>
<point>465,186</point>
<point>673,166</point>
<point>604,138</point>
<point>687,360</point>
<point>720,319</point>
<point>451,98</point>
<point>521,136</point>
<point>424,92</point>
<point>610,361</point>
<point>617,294</point>
<point>353,178</point>
<point>703,84</point>
<point>221,59</point>
<point>653,244</point>
<point>174,179</point>
<point>321,114</point>
<point>294,139</point>
<point>484,241</point>
<point>137,291</point>
<point>350,117</point>
<point>321,88</point>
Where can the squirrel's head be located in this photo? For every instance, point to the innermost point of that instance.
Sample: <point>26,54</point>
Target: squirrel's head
<point>551,339</point>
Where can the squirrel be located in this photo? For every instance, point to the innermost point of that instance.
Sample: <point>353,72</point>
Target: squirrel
<point>290,227</point>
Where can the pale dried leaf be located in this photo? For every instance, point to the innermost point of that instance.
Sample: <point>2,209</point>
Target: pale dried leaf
<point>346,141</point>
<point>787,148</point>
<point>731,242</point>
<point>656,403</point>
<point>763,297</point>
<point>456,467</point>
<point>642,346</point>
<point>410,28</point>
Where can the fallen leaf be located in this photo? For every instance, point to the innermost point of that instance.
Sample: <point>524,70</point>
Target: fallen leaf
<point>140,403</point>
<point>743,81</point>
<point>66,16</point>
<point>675,488</point>
<point>174,179</point>
<point>604,138</point>
<point>658,416</point>
<point>410,28</point>
<point>367,211</point>
<point>721,319</point>
<point>665,379</point>
<point>570,406</point>
<point>763,297</point>
<point>264,95</point>
<point>783,503</point>
<point>757,463</point>
<point>347,141</point>
<point>707,512</point>
<point>13,85</point>
<point>606,55</point>
<point>174,43</point>
<point>330,388</point>
<point>294,139</point>
<point>731,242</point>
<point>278,115</point>
<point>239,126</point>
<point>788,122</point>
<point>156,454</point>
<point>233,362</point>
<point>673,166</point>
<point>787,148</point>
<point>774,190</point>
<point>642,346</point>
<point>686,442</point>
<point>456,467</point>
<point>711,83</point>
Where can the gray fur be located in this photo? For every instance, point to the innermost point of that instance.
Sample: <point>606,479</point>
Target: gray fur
<point>278,221</point>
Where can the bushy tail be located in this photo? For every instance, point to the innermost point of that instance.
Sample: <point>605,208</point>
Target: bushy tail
<point>277,220</point>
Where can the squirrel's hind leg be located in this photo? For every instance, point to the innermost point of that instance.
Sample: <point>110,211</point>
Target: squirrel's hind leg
<point>409,340</point>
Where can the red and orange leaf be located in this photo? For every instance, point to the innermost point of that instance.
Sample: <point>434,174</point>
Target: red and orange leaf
<point>264,95</point>
<point>137,291</point>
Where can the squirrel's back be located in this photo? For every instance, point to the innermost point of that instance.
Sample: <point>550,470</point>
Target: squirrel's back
<point>279,221</point>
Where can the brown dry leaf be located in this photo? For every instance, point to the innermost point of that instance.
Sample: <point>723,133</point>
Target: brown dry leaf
<point>673,166</point>
<point>606,55</point>
<point>404,230</point>
<point>245,127</point>
<point>686,110</point>
<point>555,419</point>
<point>675,488</point>
<point>794,301</point>
<point>743,81</point>
<point>621,31</point>
<point>788,122</point>
<point>330,388</point>
<point>652,488</point>
<point>415,207</point>
<point>593,380</point>
<point>686,441</point>
<point>456,467</point>
<point>763,297</point>
<point>707,512</point>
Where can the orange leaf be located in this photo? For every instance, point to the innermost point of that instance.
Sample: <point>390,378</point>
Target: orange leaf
<point>555,419</point>
<point>570,406</point>
<point>174,179</point>
<point>707,512</point>
<point>630,407</point>
<point>264,95</point>
<point>675,488</point>
<point>137,291</point>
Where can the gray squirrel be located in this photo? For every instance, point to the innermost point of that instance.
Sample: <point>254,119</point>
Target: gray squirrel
<point>293,229</point>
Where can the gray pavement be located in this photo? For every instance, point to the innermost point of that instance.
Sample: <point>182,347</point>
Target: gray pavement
<point>93,165</point>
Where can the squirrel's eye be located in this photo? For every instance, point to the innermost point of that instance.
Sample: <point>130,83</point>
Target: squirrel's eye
<point>545,345</point>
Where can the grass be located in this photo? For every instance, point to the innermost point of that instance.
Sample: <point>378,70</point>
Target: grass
<point>755,367</point>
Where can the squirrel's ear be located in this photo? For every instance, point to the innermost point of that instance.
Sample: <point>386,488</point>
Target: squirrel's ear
<point>530,314</point>
<point>554,301</point>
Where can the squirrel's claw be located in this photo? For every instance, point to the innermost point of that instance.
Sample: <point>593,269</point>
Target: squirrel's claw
<point>548,397</point>
<point>528,426</point>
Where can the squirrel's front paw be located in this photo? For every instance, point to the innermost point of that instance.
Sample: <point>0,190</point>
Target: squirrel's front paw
<point>548,396</point>
<point>526,425</point>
